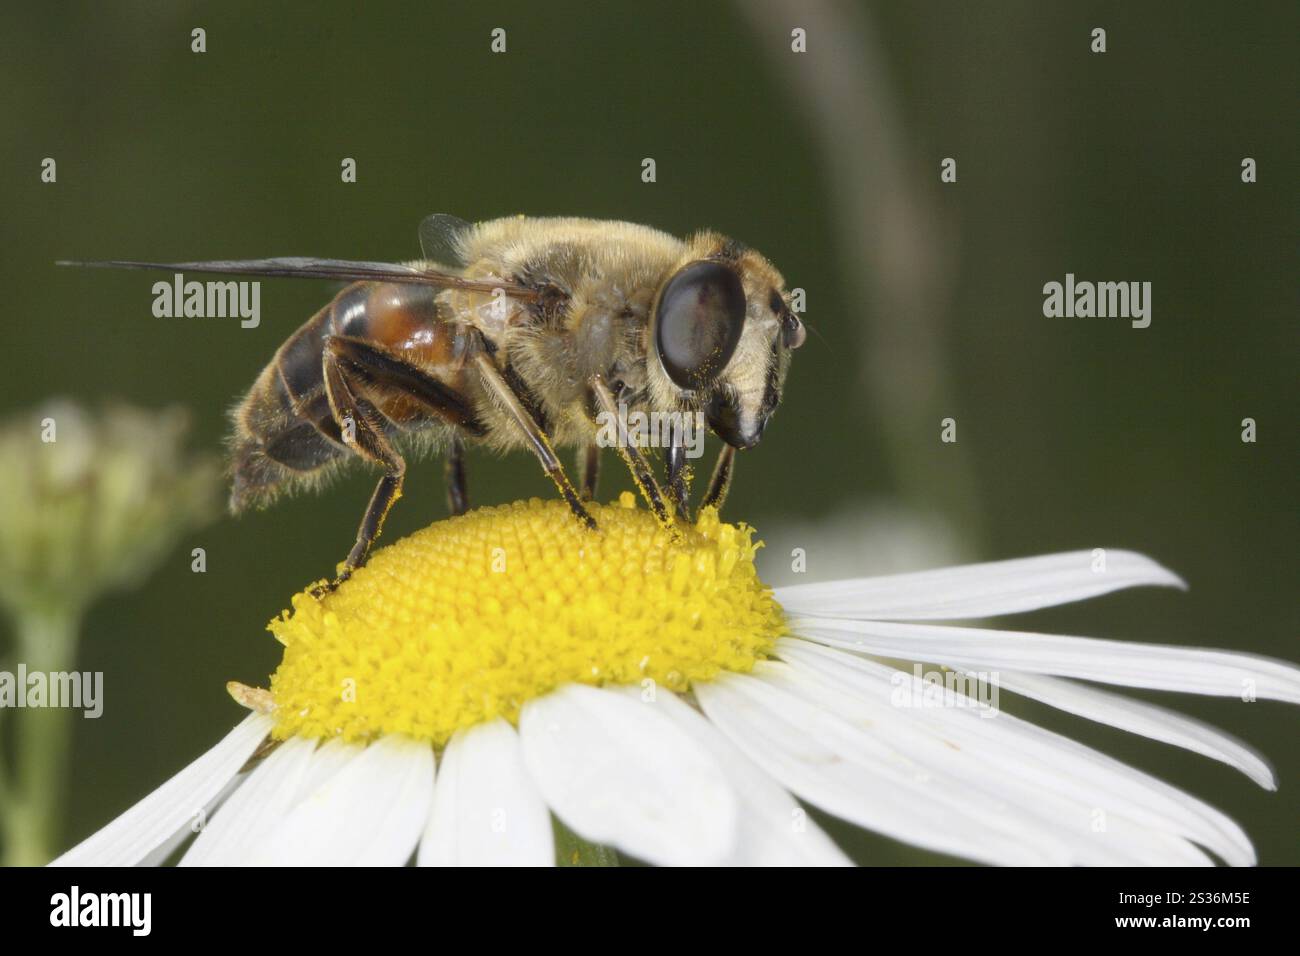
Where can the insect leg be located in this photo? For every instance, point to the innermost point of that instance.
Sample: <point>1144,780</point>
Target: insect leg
<point>720,483</point>
<point>636,463</point>
<point>589,470</point>
<point>378,371</point>
<point>360,424</point>
<point>495,382</point>
<point>457,495</point>
<point>358,373</point>
<point>677,478</point>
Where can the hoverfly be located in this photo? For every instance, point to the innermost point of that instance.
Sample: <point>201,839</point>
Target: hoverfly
<point>513,333</point>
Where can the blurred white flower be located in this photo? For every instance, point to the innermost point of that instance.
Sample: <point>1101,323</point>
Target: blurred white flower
<point>92,502</point>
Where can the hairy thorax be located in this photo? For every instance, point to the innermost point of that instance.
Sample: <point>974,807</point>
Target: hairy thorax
<point>593,322</point>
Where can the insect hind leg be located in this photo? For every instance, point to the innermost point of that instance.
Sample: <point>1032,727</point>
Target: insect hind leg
<point>360,425</point>
<point>357,372</point>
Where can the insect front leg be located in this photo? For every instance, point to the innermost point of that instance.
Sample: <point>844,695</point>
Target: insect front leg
<point>677,486</point>
<point>720,483</point>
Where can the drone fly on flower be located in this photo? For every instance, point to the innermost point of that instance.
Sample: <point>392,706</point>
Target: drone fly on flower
<point>514,333</point>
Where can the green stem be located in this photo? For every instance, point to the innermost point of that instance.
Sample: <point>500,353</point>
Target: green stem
<point>47,644</point>
<point>4,765</point>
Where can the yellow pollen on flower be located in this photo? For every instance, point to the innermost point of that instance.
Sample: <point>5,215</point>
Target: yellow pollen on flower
<point>474,616</point>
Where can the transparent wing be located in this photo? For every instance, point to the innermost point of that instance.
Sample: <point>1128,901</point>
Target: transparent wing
<point>310,268</point>
<point>440,237</point>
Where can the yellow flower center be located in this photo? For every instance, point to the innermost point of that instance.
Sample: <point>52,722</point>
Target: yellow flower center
<point>472,617</point>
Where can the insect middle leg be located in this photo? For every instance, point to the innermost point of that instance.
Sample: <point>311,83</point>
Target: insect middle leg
<point>588,471</point>
<point>457,495</point>
<point>636,463</point>
<point>538,440</point>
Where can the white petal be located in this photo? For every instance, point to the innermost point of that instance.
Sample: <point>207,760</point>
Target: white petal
<point>234,835</point>
<point>1139,717</point>
<point>327,760</point>
<point>1020,759</point>
<point>486,808</point>
<point>1096,822</point>
<point>977,590</point>
<point>832,764</point>
<point>369,813</point>
<point>1194,670</point>
<point>162,853</point>
<point>171,808</point>
<point>620,773</point>
<point>773,829</point>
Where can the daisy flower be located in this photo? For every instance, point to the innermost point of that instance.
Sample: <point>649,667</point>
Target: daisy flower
<point>646,689</point>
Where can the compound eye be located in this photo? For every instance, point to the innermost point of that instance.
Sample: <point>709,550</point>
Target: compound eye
<point>698,323</point>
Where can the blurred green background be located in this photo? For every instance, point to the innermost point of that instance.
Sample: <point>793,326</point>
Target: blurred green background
<point>925,298</point>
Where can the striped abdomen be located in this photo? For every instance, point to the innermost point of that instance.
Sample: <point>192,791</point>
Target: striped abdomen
<point>284,430</point>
